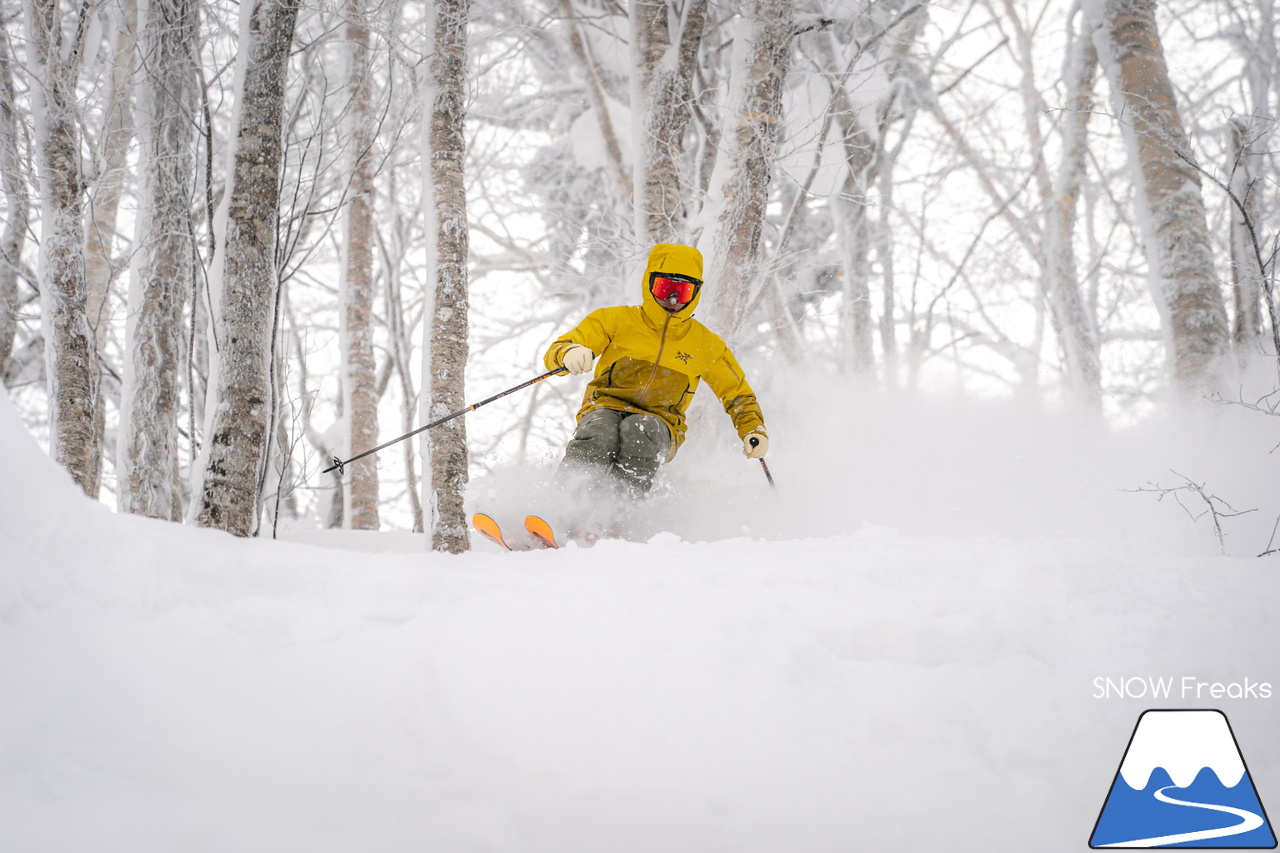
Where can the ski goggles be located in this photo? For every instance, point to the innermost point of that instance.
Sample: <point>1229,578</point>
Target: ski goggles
<point>664,285</point>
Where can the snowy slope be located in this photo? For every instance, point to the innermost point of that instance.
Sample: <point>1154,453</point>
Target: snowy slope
<point>880,688</point>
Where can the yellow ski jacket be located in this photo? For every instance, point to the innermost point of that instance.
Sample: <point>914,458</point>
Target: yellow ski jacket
<point>651,361</point>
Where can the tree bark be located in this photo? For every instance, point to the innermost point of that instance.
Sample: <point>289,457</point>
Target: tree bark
<point>17,210</point>
<point>445,352</point>
<point>147,443</point>
<point>1246,275</point>
<point>850,212</point>
<point>864,152</point>
<point>1176,234</point>
<point>1073,320</point>
<point>71,357</point>
<point>661,91</point>
<point>245,274</point>
<point>356,293</point>
<point>110,178</point>
<point>595,90</point>
<point>739,188</point>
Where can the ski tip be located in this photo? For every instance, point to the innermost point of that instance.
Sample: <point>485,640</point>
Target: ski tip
<point>540,531</point>
<point>489,529</point>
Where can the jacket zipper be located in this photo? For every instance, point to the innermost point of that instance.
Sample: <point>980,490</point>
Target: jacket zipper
<point>662,343</point>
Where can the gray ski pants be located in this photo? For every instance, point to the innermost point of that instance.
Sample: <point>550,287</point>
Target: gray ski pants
<point>627,447</point>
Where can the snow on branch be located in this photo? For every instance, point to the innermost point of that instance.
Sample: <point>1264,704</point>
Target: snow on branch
<point>1266,266</point>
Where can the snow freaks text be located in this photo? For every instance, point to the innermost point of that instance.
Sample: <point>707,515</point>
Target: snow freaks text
<point>1186,687</point>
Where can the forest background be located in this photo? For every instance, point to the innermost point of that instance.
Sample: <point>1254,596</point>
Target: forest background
<point>236,238</point>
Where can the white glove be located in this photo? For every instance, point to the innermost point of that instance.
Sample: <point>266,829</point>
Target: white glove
<point>578,359</point>
<point>755,445</point>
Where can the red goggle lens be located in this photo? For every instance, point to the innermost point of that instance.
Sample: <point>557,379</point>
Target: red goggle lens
<point>664,287</point>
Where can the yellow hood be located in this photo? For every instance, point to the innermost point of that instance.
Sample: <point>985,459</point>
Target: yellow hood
<point>676,259</point>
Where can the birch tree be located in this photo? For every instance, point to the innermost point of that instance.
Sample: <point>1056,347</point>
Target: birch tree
<point>1075,323</point>
<point>445,349</point>
<point>1254,36</point>
<point>850,212</point>
<point>356,292</point>
<point>71,357</point>
<point>109,178</point>
<point>110,166</point>
<point>13,184</point>
<point>864,145</point>
<point>738,192</point>
<point>594,81</point>
<point>1246,273</point>
<point>147,443</point>
<point>1175,229</point>
<point>661,86</point>
<point>245,279</point>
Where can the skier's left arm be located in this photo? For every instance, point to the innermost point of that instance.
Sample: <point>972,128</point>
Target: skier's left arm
<point>729,383</point>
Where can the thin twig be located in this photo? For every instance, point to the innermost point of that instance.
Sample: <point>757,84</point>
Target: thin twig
<point>1271,541</point>
<point>1212,504</point>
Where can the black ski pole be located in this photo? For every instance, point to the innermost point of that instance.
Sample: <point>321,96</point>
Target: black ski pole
<point>755,442</point>
<point>341,464</point>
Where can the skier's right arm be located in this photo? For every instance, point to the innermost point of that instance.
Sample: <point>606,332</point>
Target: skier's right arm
<point>594,333</point>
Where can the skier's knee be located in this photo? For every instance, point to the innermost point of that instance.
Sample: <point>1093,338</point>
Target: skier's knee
<point>595,441</point>
<point>643,436</point>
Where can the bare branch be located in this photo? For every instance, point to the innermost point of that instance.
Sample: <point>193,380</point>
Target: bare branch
<point>1215,507</point>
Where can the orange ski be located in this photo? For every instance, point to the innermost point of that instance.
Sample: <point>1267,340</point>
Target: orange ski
<point>488,528</point>
<point>540,531</point>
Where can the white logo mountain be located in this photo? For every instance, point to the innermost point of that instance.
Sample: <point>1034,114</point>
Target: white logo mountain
<point>1183,743</point>
<point>1195,810</point>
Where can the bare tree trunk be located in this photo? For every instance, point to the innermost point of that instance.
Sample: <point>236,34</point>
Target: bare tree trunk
<point>661,91</point>
<point>356,293</point>
<point>739,188</point>
<point>1246,275</point>
<point>72,360</point>
<point>17,207</point>
<point>278,498</point>
<point>446,347</point>
<point>110,169</point>
<point>850,211</point>
<point>147,444</point>
<point>1074,322</point>
<point>1176,233</point>
<point>108,186</point>
<point>864,152</point>
<point>246,279</point>
<point>884,240</point>
<point>595,90</point>
<point>1251,144</point>
<point>391,242</point>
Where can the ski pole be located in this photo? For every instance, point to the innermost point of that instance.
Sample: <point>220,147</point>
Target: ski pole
<point>754,442</point>
<point>340,464</point>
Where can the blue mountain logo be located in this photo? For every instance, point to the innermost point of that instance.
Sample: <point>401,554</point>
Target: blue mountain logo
<point>1183,783</point>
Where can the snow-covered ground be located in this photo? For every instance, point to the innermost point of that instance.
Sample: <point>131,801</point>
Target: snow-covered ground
<point>895,651</point>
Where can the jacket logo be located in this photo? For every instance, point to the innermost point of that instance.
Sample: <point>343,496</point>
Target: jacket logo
<point>683,356</point>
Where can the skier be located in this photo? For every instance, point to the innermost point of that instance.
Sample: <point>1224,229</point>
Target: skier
<point>651,358</point>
